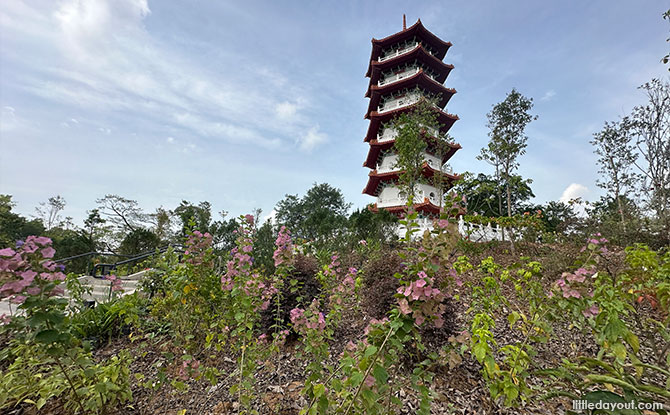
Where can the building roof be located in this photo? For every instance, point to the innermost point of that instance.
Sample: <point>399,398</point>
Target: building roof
<point>422,34</point>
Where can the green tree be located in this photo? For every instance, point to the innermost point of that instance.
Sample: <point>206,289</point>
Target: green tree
<point>49,212</point>
<point>410,144</point>
<point>482,193</point>
<point>194,217</point>
<point>318,216</point>
<point>139,241</point>
<point>365,225</point>
<point>507,121</point>
<point>616,158</point>
<point>14,227</point>
<point>650,130</point>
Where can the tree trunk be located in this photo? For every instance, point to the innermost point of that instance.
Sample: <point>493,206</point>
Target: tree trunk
<point>509,214</point>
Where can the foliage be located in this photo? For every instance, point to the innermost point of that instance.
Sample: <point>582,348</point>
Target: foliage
<point>507,121</point>
<point>482,191</point>
<point>410,143</point>
<point>14,227</point>
<point>49,212</point>
<point>44,358</point>
<point>320,215</point>
<point>139,241</point>
<point>616,158</point>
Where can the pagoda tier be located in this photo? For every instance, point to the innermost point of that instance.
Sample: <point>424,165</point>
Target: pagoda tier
<point>426,84</point>
<point>378,146</point>
<point>427,172</point>
<point>377,119</point>
<point>418,56</point>
<point>407,38</point>
<point>425,206</point>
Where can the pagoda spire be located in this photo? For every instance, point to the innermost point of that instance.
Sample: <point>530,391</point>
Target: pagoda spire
<point>404,22</point>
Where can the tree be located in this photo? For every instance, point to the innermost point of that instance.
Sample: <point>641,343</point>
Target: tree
<point>317,216</point>
<point>482,193</point>
<point>507,122</point>
<point>139,241</point>
<point>194,217</point>
<point>666,58</point>
<point>365,225</point>
<point>124,214</point>
<point>162,224</point>
<point>94,228</point>
<point>650,130</point>
<point>14,227</point>
<point>49,212</point>
<point>616,158</point>
<point>410,144</point>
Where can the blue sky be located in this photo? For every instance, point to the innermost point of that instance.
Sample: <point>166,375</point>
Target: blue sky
<point>242,102</point>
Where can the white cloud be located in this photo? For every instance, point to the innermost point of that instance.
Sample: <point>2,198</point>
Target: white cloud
<point>105,130</point>
<point>286,110</point>
<point>110,62</point>
<point>574,191</point>
<point>272,217</point>
<point>312,139</point>
<point>548,95</point>
<point>170,139</point>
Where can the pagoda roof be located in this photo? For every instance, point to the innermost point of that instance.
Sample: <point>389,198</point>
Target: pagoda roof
<point>427,171</point>
<point>425,206</point>
<point>439,46</point>
<point>420,54</point>
<point>377,147</point>
<point>418,79</point>
<point>445,120</point>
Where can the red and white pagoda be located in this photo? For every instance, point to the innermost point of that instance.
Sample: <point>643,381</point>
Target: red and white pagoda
<point>405,67</point>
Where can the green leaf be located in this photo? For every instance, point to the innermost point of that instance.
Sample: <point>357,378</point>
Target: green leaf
<point>370,351</point>
<point>633,341</point>
<point>47,336</point>
<point>380,374</point>
<point>318,390</point>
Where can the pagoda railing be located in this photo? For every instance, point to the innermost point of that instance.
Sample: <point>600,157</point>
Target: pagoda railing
<point>397,103</point>
<point>397,77</point>
<point>398,52</point>
<point>388,135</point>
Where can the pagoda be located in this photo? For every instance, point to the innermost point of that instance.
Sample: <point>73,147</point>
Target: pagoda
<point>405,68</point>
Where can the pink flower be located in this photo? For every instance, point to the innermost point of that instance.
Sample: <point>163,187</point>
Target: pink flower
<point>591,311</point>
<point>43,240</point>
<point>7,252</point>
<point>369,381</point>
<point>363,242</point>
<point>404,306</point>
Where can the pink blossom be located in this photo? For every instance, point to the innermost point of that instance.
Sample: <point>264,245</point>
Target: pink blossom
<point>404,306</point>
<point>42,240</point>
<point>48,252</point>
<point>363,242</point>
<point>591,311</point>
<point>369,381</point>
<point>7,252</point>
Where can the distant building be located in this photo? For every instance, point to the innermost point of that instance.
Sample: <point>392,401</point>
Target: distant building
<point>405,67</point>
